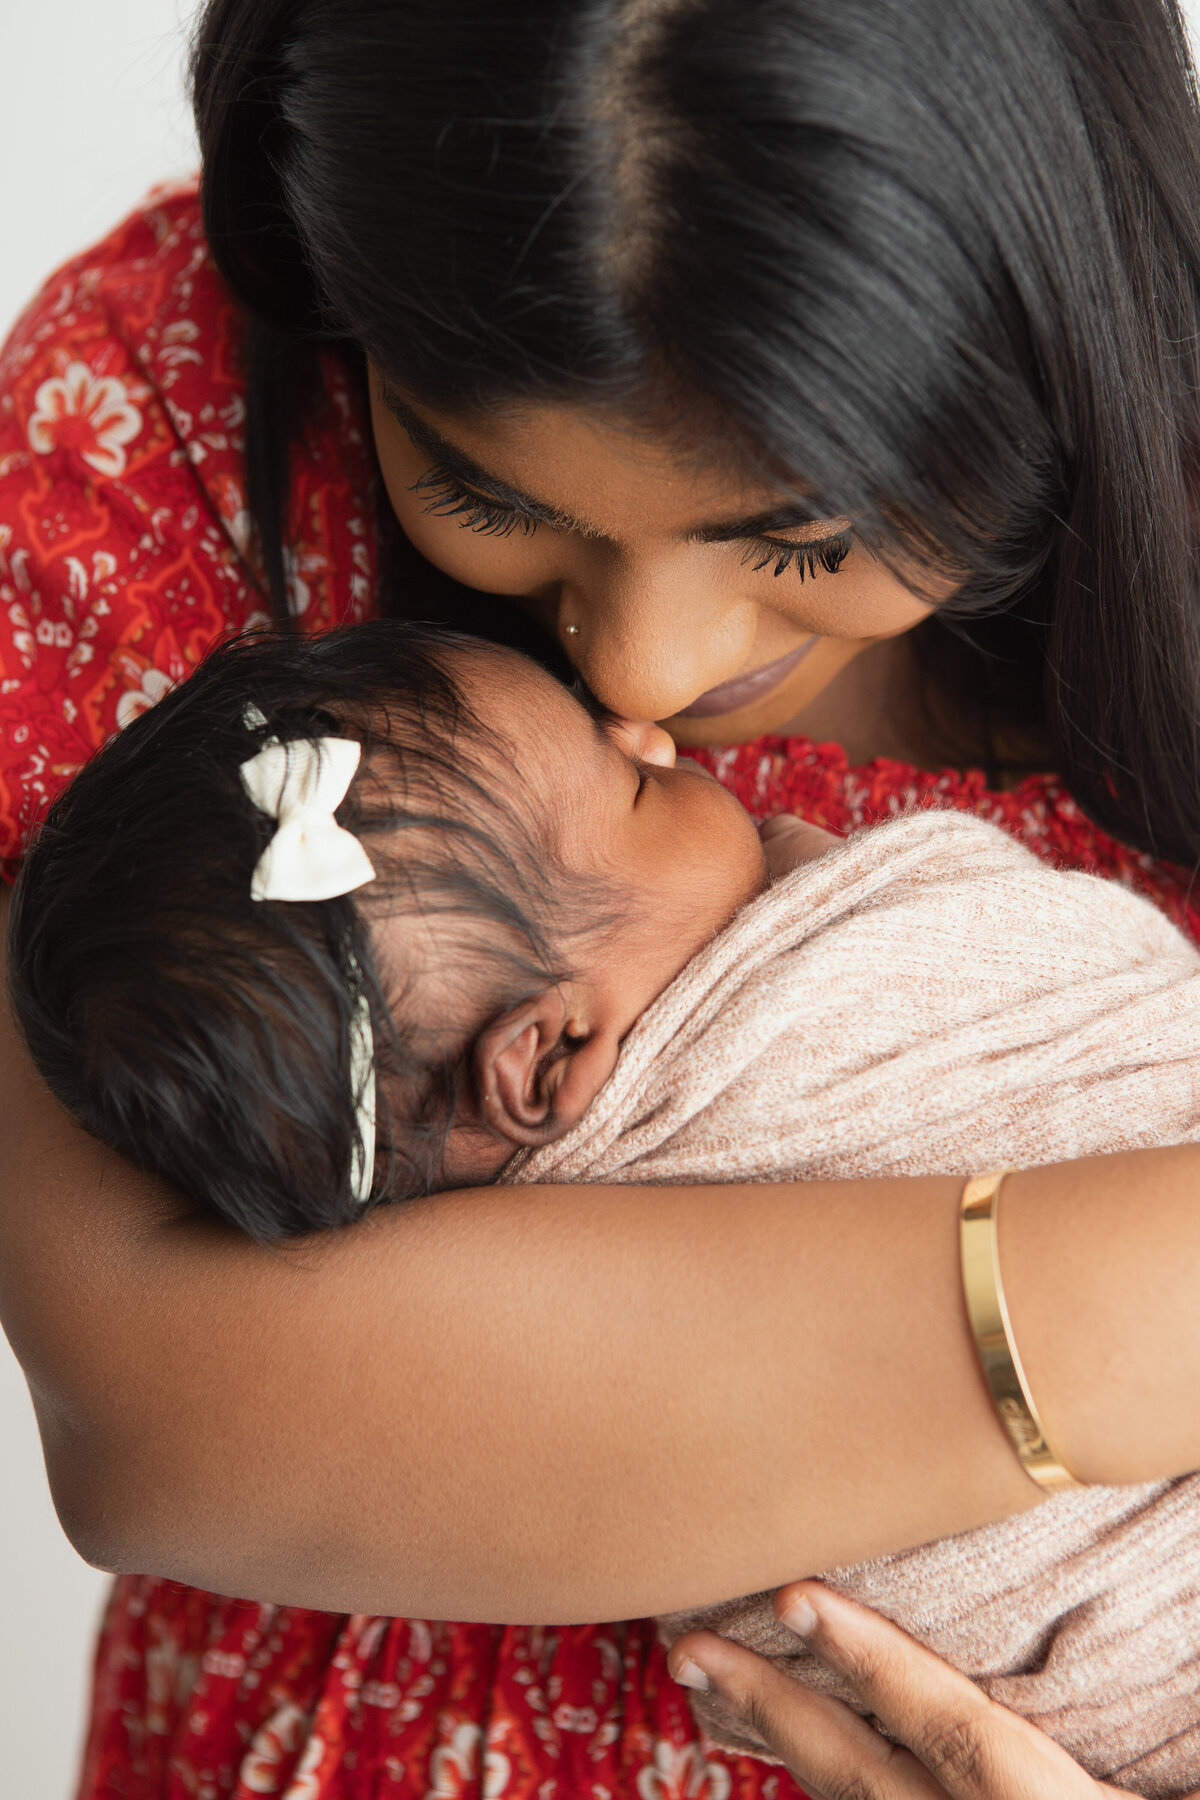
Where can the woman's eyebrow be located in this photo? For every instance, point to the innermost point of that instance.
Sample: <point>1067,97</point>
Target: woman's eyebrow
<point>790,516</point>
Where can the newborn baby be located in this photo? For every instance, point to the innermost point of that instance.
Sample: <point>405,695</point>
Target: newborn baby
<point>557,954</point>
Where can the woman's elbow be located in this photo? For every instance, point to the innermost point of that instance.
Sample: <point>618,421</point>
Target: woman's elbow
<point>94,1497</point>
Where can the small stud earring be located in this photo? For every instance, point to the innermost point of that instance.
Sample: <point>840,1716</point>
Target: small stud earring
<point>572,630</point>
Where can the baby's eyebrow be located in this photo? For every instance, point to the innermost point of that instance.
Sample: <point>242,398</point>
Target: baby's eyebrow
<point>792,515</point>
<point>601,716</point>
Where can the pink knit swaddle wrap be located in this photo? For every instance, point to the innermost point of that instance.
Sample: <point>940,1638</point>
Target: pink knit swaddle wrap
<point>929,998</point>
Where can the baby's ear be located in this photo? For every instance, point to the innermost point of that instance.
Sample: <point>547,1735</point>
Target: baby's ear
<point>539,1067</point>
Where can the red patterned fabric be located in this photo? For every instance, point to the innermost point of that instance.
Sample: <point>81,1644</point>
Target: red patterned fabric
<point>123,524</point>
<point>123,556</point>
<point>815,780</point>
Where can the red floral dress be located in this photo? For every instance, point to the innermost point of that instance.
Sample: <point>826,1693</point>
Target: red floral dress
<point>123,556</point>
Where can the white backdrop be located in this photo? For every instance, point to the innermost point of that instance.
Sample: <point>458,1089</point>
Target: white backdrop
<point>91,112</point>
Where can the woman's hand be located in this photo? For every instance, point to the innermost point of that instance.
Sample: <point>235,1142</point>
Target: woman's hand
<point>789,841</point>
<point>958,1743</point>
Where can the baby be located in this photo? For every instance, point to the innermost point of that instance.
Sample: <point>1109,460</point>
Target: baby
<point>354,918</point>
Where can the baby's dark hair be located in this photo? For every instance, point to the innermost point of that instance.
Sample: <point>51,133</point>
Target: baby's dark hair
<point>207,1036</point>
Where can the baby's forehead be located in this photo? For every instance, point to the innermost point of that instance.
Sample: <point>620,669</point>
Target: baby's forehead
<point>536,736</point>
<point>515,686</point>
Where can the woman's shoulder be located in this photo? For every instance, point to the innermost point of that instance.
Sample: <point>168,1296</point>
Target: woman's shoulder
<point>141,309</point>
<point>818,782</point>
<point>125,544</point>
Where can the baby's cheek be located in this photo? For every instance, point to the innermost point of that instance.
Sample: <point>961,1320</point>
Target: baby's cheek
<point>729,863</point>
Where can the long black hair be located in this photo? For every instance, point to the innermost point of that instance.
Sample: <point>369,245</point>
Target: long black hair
<point>938,260</point>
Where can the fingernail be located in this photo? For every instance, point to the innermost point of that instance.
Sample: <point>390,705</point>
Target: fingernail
<point>800,1618</point>
<point>691,1675</point>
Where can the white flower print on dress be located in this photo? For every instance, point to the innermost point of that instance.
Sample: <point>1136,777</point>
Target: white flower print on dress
<point>371,1635</point>
<point>452,1766</point>
<point>91,414</point>
<point>299,594</point>
<point>306,1782</point>
<point>170,1678</point>
<point>135,701</point>
<point>496,1772</point>
<point>576,1718</point>
<point>682,1772</point>
<point>280,1737</point>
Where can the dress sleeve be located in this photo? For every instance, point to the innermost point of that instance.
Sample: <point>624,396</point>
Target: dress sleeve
<point>123,528</point>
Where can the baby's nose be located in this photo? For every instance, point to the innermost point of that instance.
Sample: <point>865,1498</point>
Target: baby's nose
<point>643,740</point>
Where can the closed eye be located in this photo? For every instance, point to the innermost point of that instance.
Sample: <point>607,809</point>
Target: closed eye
<point>605,720</point>
<point>824,553</point>
<point>446,498</point>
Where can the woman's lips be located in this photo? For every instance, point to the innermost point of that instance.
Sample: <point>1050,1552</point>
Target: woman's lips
<point>730,696</point>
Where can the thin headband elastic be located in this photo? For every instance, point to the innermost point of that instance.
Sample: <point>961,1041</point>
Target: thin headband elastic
<point>311,857</point>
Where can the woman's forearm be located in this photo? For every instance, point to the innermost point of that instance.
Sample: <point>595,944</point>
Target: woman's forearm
<point>513,1404</point>
<point>541,1404</point>
<point>1101,1262</point>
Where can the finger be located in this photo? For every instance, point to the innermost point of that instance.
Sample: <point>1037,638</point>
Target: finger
<point>827,1747</point>
<point>974,1748</point>
<point>789,842</point>
<point>791,824</point>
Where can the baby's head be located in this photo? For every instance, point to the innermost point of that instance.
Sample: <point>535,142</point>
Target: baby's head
<point>541,875</point>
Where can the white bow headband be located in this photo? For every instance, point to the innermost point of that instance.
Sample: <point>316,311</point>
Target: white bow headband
<point>311,857</point>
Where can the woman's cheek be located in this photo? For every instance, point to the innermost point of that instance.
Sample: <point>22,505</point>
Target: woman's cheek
<point>863,600</point>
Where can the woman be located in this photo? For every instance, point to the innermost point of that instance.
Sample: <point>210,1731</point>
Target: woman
<point>821,372</point>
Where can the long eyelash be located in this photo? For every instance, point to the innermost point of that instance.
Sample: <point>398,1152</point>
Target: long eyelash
<point>829,554</point>
<point>448,499</point>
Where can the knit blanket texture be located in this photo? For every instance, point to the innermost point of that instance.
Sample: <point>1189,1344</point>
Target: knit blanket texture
<point>929,998</point>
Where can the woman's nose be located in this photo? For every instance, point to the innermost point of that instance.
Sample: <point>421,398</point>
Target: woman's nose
<point>649,639</point>
<point>642,741</point>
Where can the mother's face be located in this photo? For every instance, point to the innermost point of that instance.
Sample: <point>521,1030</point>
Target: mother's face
<point>697,597</point>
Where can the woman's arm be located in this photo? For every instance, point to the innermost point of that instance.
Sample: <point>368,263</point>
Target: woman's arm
<point>564,1404</point>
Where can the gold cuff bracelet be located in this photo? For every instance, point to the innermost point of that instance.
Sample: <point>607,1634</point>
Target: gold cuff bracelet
<point>992,1330</point>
